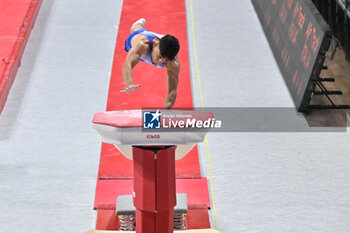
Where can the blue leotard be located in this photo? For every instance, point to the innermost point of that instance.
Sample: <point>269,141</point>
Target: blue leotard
<point>149,35</point>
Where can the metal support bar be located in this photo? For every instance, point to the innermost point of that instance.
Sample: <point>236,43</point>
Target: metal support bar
<point>347,38</point>
<point>328,93</point>
<point>340,25</point>
<point>333,12</point>
<point>323,88</point>
<point>335,48</point>
<point>344,7</point>
<point>325,80</point>
<point>324,9</point>
<point>329,106</point>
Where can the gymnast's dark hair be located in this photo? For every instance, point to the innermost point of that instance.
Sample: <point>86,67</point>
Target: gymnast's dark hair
<point>169,47</point>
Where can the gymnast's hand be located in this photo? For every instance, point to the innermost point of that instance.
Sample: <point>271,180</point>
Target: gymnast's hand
<point>130,88</point>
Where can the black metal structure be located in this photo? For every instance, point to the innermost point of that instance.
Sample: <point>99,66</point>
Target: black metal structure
<point>324,92</point>
<point>337,15</point>
<point>299,38</point>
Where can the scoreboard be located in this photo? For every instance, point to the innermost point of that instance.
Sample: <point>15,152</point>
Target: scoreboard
<point>299,38</point>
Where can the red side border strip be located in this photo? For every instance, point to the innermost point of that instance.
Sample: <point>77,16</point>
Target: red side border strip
<point>14,60</point>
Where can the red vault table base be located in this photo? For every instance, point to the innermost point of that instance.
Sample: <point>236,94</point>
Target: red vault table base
<point>154,184</point>
<point>154,188</point>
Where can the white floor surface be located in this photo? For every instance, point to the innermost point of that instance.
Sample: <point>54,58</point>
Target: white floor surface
<point>262,182</point>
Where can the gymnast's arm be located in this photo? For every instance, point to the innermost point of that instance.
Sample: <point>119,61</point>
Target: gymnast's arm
<point>133,57</point>
<point>173,68</point>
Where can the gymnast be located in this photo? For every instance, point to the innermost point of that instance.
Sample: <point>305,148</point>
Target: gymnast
<point>155,49</point>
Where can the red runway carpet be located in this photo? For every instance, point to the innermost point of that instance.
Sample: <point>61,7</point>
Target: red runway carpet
<point>163,17</point>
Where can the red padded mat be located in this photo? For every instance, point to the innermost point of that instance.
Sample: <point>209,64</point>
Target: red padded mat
<point>114,165</point>
<point>164,17</point>
<point>17,18</point>
<point>107,220</point>
<point>107,192</point>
